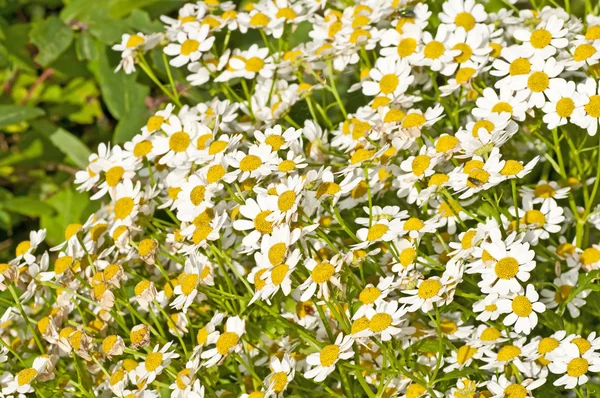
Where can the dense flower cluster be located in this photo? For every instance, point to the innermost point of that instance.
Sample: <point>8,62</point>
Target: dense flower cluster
<point>405,204</point>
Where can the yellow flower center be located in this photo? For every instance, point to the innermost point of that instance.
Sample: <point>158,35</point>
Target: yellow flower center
<point>123,207</point>
<point>565,107</point>
<point>592,108</point>
<point>286,166</point>
<point>226,342</point>
<point>141,287</point>
<point>147,246</point>
<point>359,325</point>
<point>420,164</point>
<point>197,195</point>
<point>444,144</point>
<point>590,256</point>
<point>593,32</point>
<point>328,188</point>
<point>465,353</point>
<point>108,343</point>
<point>22,248</point>
<point>502,107</point>
<point>329,354</point>
<point>179,141</point>
<point>438,179</point>
<point>506,268</point>
<point>250,163</point>
<point>189,283</point>
<point>415,391</point>
<point>521,306</point>
<point>261,224</point>
<point>490,334</point>
<point>215,173</point>
<point>464,74</point>
<point>534,217</point>
<point>465,20</point>
<point>279,273</point>
<point>577,367</point>
<point>154,123</point>
<point>434,49</point>
<point>26,376</point>
<point>511,168</point>
<point>142,148</point>
<point>538,82</point>
<point>388,83</point>
<point>547,344</point>
<point>116,377</point>
<point>448,326</point>
<point>286,201</point>
<point>276,141</point>
<point>413,120</point>
<point>407,256</point>
<point>520,66</point>
<point>377,231</point>
<point>286,13</point>
<point>465,52</point>
<point>279,381</point>
<point>407,47</point>
<point>582,344</point>
<point>482,124</point>
<point>254,64</point>
<point>413,224</point>
<point>393,115</point>
<point>134,41</point>
<point>259,20</point>
<point>429,288</point>
<point>216,147</point>
<point>369,295</point>
<point>189,46</point>
<point>477,178</point>
<point>508,352</point>
<point>380,322</point>
<point>583,52</point>
<point>153,361</point>
<point>515,391</point>
<point>361,155</point>
<point>62,264</point>
<point>322,272</point>
<point>540,38</point>
<point>182,377</point>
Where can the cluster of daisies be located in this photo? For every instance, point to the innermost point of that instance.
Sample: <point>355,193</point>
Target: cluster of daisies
<point>405,204</point>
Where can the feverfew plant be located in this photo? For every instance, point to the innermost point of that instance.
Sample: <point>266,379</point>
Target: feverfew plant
<point>402,204</point>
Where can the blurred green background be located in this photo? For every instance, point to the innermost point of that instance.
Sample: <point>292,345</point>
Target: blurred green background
<point>60,98</point>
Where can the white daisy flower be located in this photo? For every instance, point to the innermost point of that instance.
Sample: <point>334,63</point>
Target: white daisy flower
<point>323,362</point>
<point>191,43</point>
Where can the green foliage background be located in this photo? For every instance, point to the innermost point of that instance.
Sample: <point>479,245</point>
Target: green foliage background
<point>60,98</point>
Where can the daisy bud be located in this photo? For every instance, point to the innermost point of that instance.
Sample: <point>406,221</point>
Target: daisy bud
<point>112,345</point>
<point>147,249</point>
<point>139,336</point>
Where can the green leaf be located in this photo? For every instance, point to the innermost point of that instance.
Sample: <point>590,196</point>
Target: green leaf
<point>28,206</point>
<point>70,206</point>
<point>121,8</point>
<point>52,37</point>
<point>71,146</point>
<point>552,320</point>
<point>11,114</point>
<point>120,91</point>
<point>130,125</point>
<point>86,47</point>
<point>140,21</point>
<point>17,37</point>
